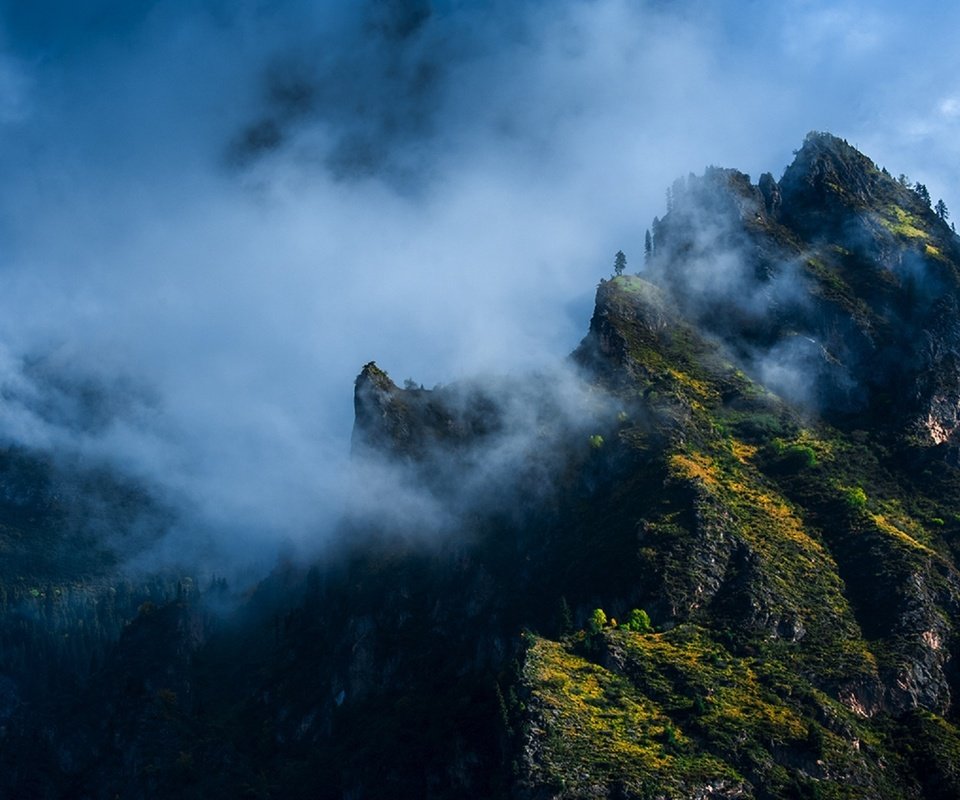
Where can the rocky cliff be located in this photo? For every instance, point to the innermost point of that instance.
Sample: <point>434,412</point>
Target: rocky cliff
<point>713,555</point>
<point>777,494</point>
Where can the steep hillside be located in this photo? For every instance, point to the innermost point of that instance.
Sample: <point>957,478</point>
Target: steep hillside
<point>713,555</point>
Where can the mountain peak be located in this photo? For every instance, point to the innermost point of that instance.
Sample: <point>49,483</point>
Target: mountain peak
<point>381,417</point>
<point>832,287</point>
<point>829,179</point>
<point>784,569</point>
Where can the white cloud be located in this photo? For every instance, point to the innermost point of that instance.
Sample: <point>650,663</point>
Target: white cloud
<point>248,300</point>
<point>949,107</point>
<point>816,32</point>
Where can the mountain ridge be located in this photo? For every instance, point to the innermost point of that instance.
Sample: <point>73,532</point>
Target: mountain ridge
<point>640,340</point>
<point>713,555</point>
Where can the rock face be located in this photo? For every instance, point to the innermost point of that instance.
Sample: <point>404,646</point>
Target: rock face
<point>714,556</point>
<point>379,419</point>
<point>786,554</point>
<point>772,199</point>
<point>836,287</point>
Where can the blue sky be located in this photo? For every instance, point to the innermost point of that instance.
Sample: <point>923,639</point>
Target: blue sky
<point>232,206</point>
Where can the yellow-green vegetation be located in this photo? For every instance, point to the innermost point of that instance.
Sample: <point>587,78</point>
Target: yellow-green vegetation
<point>790,565</point>
<point>742,451</point>
<point>761,513</point>
<point>854,496</point>
<point>881,532</point>
<point>640,287</point>
<point>903,223</point>
<point>598,620</point>
<point>829,278</point>
<point>794,581</point>
<point>679,667</point>
<point>670,353</point>
<point>593,728</point>
<point>696,466</point>
<point>889,519</point>
<point>798,456</point>
<point>639,621</point>
<point>823,448</point>
<point>668,712</point>
<point>828,273</point>
<point>902,529</point>
<point>799,572</point>
<point>698,388</point>
<point>801,451</point>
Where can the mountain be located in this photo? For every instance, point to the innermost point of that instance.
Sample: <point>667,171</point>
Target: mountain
<point>712,555</point>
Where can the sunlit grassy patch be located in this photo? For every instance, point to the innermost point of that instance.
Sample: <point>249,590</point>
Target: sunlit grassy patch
<point>894,530</point>
<point>596,729</point>
<point>695,466</point>
<point>742,451</point>
<point>672,711</point>
<point>902,223</point>
<point>724,692</point>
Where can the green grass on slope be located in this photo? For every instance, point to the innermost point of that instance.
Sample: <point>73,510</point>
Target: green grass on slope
<point>594,731</point>
<point>664,715</point>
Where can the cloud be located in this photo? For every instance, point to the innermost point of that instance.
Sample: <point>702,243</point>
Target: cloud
<point>815,32</point>
<point>949,107</point>
<point>492,446</point>
<point>222,210</point>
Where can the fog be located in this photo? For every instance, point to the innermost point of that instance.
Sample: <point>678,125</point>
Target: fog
<point>213,214</point>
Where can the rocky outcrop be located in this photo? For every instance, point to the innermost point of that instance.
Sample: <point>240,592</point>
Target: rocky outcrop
<point>826,180</point>
<point>832,286</point>
<point>382,415</point>
<point>772,199</point>
<point>775,576</point>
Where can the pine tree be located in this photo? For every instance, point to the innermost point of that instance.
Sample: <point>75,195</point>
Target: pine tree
<point>619,263</point>
<point>941,210</point>
<point>922,192</point>
<point>647,245</point>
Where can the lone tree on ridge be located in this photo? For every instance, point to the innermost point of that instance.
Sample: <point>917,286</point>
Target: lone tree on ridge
<point>619,263</point>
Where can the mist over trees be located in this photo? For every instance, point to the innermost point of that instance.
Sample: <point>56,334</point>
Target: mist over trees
<point>214,213</point>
